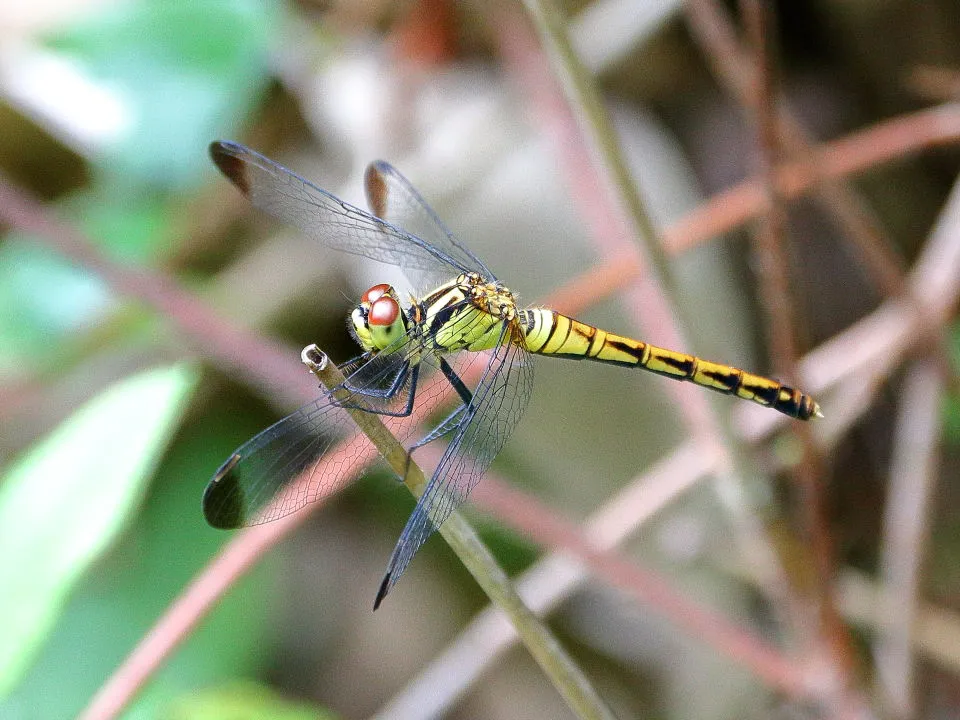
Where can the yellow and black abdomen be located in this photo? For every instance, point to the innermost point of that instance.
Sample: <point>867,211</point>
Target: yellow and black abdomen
<point>547,332</point>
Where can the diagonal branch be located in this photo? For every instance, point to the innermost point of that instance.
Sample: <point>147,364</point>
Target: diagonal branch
<point>582,123</point>
<point>577,557</point>
<point>769,238</point>
<point>566,677</point>
<point>712,28</point>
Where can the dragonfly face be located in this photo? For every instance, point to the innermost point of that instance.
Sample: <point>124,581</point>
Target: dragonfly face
<point>301,458</point>
<point>378,321</point>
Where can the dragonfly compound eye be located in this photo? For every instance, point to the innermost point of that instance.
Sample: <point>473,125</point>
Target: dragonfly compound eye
<point>375,293</point>
<point>384,311</point>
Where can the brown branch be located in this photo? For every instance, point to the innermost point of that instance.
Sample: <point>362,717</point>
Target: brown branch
<point>712,28</point>
<point>771,266</point>
<point>260,362</point>
<point>874,346</point>
<point>729,210</point>
<point>770,230</point>
<point>548,528</point>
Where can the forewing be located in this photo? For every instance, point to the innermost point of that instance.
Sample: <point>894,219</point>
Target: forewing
<point>329,220</point>
<point>264,479</point>
<point>309,453</point>
<point>391,197</point>
<point>499,400</point>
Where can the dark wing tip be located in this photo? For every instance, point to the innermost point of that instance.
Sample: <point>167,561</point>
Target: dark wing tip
<point>223,501</point>
<point>228,157</point>
<point>382,592</point>
<point>376,188</point>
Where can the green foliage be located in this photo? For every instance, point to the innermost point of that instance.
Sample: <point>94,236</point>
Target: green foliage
<point>185,72</point>
<point>952,403</point>
<point>121,598</point>
<point>42,297</point>
<point>241,701</point>
<point>68,497</point>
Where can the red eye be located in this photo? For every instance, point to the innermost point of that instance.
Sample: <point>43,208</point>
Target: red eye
<point>384,311</point>
<point>374,293</point>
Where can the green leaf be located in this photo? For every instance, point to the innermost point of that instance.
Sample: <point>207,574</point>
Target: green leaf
<point>117,602</point>
<point>184,72</point>
<point>951,405</point>
<point>42,296</point>
<point>242,701</point>
<point>64,501</point>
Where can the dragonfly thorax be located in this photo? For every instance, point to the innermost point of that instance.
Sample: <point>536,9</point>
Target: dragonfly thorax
<point>467,313</point>
<point>489,297</point>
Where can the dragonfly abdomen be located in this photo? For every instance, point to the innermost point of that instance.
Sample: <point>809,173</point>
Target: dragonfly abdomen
<point>547,332</point>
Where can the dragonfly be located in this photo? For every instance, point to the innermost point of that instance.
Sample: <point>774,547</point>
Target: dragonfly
<point>415,350</point>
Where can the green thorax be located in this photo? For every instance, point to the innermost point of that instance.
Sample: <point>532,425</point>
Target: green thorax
<point>467,314</point>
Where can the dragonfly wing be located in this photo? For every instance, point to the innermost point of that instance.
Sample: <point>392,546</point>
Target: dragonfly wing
<point>303,457</point>
<point>391,197</point>
<point>259,482</point>
<point>498,402</point>
<point>333,222</point>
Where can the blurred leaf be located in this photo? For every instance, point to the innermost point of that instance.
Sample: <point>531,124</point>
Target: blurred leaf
<point>122,596</point>
<point>44,297</point>
<point>64,501</point>
<point>952,402</point>
<point>41,297</point>
<point>132,226</point>
<point>186,72</point>
<point>242,701</point>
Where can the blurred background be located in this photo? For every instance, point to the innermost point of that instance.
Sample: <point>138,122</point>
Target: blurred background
<point>119,398</point>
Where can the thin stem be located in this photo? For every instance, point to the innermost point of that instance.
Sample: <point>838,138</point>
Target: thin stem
<point>769,238</point>
<point>654,302</point>
<point>569,680</point>
<point>770,231</point>
<point>712,28</point>
<point>557,576</point>
<point>913,473</point>
<point>598,131</point>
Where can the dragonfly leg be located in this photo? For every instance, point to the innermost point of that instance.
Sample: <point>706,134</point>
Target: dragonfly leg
<point>453,421</point>
<point>406,372</point>
<point>462,390</point>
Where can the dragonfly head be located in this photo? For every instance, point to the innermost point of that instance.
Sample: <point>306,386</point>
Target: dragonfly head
<point>378,321</point>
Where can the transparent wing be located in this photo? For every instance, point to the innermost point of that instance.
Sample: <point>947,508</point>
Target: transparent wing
<point>305,456</point>
<point>333,222</point>
<point>391,197</point>
<point>499,400</point>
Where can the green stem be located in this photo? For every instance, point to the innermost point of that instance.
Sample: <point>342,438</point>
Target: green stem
<point>546,650</point>
<point>591,115</point>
